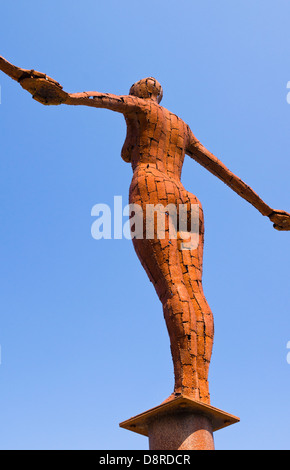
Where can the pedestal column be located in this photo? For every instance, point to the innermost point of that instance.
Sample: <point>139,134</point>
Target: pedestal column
<point>181,431</point>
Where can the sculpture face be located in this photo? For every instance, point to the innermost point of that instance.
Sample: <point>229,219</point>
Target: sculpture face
<point>147,88</point>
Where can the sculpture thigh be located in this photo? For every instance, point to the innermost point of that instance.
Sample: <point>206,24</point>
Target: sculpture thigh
<point>176,274</point>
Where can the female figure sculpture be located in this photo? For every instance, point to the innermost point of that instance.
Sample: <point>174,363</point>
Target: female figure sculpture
<point>156,143</point>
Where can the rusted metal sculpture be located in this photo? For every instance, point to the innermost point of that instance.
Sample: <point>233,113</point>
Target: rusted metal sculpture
<point>156,144</point>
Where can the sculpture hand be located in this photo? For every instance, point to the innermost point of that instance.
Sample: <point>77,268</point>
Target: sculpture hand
<point>281,220</point>
<point>44,89</point>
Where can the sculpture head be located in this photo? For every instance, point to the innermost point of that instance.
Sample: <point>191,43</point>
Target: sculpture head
<point>147,88</point>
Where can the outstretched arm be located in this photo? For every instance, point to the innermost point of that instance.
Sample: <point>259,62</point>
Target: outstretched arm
<point>121,104</point>
<point>48,91</point>
<point>205,158</point>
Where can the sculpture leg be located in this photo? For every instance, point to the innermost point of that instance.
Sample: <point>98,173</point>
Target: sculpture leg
<point>192,263</point>
<point>177,277</point>
<point>205,326</point>
<point>161,260</point>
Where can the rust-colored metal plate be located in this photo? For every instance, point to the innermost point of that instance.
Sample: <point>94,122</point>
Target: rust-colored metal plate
<point>220,419</point>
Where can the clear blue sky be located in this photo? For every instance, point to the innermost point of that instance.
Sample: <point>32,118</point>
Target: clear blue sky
<point>84,344</point>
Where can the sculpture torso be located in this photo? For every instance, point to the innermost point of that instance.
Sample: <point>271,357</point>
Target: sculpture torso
<point>157,137</point>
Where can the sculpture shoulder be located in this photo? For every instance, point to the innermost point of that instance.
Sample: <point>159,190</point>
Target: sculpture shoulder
<point>133,105</point>
<point>146,107</point>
